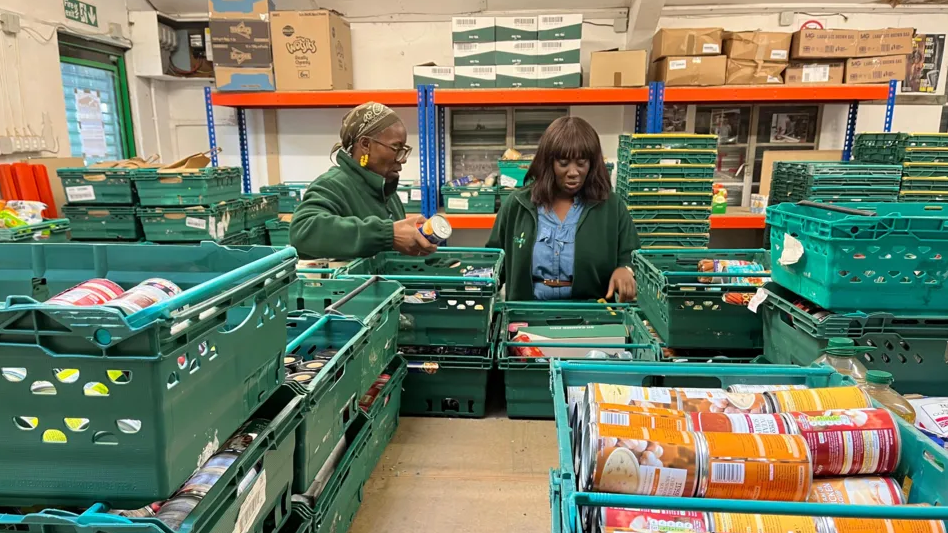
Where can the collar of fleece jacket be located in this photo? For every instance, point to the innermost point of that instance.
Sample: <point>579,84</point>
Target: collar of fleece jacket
<point>376,183</point>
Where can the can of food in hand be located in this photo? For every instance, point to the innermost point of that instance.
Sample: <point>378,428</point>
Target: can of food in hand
<point>851,441</point>
<point>721,401</point>
<point>754,467</point>
<point>200,482</point>
<point>774,424</point>
<point>93,292</point>
<point>757,523</point>
<point>301,377</point>
<point>245,435</point>
<point>868,525</point>
<point>436,229</point>
<point>291,362</point>
<point>820,399</point>
<point>145,294</point>
<point>865,490</point>
<point>764,388</point>
<point>647,462</point>
<point>176,510</point>
<point>652,520</point>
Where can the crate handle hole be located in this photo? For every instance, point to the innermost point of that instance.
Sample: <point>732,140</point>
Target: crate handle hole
<point>918,359</point>
<point>450,404</point>
<point>855,279</point>
<point>885,358</point>
<point>104,437</point>
<point>129,425</point>
<point>859,256</point>
<point>867,357</point>
<point>66,375</point>
<point>26,423</point>
<point>260,321</point>
<point>889,346</point>
<point>54,436</point>
<point>934,461</point>
<point>902,359</point>
<point>195,365</point>
<point>172,380</point>
<point>13,374</point>
<point>843,273</point>
<point>77,425</point>
<point>95,388</point>
<point>911,256</point>
<point>183,361</point>
<point>119,377</point>
<point>43,388</point>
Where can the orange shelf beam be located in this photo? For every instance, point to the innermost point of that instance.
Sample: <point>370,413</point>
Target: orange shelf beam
<point>486,221</point>
<point>527,96</point>
<point>776,93</point>
<point>315,99</point>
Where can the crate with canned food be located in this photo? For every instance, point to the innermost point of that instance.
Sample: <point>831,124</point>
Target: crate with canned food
<point>758,448</point>
<point>126,341</point>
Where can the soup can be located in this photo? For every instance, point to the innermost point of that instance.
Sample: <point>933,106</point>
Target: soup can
<point>764,388</point>
<point>245,435</point>
<point>436,229</point>
<point>851,441</point>
<point>311,366</point>
<point>754,467</point>
<point>661,397</point>
<point>863,490</point>
<point>620,415</point>
<point>820,399</point>
<point>145,294</point>
<point>721,401</point>
<point>92,292</point>
<point>774,424</point>
<point>291,362</point>
<point>866,525</point>
<point>762,523</point>
<point>301,377</point>
<point>652,521</point>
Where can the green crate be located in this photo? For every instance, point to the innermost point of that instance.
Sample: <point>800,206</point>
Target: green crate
<point>469,199</point>
<point>336,507</point>
<point>241,238</point>
<point>629,172</point>
<point>936,197</point>
<point>411,198</point>
<point>695,355</point>
<point>290,193</point>
<point>49,231</point>
<point>556,502</point>
<point>442,383</point>
<point>662,185</point>
<point>927,185</point>
<point>103,222</point>
<point>892,260</point>
<point>673,157</point>
<point>648,227</point>
<point>83,185</point>
<point>925,170</point>
<point>259,208</point>
<point>881,140</point>
<point>514,170</point>
<point>920,468</point>
<point>934,140</point>
<point>385,409</point>
<point>674,199</point>
<point>674,240</point>
<point>461,311</point>
<point>926,155</point>
<point>646,141</point>
<point>181,224</point>
<point>689,314</point>
<point>527,380</point>
<point>156,365</point>
<point>644,213</point>
<point>869,154</point>
<point>205,186</point>
<point>300,519</point>
<point>278,232</point>
<point>257,236</point>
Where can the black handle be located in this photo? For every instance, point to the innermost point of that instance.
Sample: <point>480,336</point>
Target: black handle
<point>334,308</point>
<point>840,209</point>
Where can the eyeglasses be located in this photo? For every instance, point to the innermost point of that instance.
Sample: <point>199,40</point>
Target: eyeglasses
<point>401,154</point>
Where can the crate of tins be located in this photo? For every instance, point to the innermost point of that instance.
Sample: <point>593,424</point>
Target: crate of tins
<point>196,223</point>
<point>900,147</point>
<point>410,197</point>
<point>99,186</point>
<point>278,230</point>
<point>124,364</point>
<point>447,380</point>
<point>469,199</point>
<point>835,182</point>
<point>529,334</point>
<point>624,427</point>
<point>104,222</point>
<point>290,193</point>
<point>51,231</point>
<point>259,208</point>
<point>924,182</point>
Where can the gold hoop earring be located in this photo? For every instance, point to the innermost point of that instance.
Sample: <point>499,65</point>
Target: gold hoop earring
<point>364,160</point>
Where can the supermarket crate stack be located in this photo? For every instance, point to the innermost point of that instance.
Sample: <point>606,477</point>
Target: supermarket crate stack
<point>835,182</point>
<point>290,194</point>
<point>101,203</point>
<point>667,181</point>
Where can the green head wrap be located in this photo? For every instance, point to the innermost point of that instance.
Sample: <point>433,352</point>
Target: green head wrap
<point>367,120</point>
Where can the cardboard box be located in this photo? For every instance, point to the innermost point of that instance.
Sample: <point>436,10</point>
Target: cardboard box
<point>560,27</point>
<point>241,43</point>
<point>515,29</point>
<point>568,75</point>
<point>312,50</point>
<point>554,52</point>
<point>625,68</point>
<point>686,42</point>
<point>468,77</point>
<point>431,74</point>
<point>691,71</point>
<point>753,72</point>
<point>517,52</point>
<point>239,9</point>
<point>517,75</point>
<point>887,42</point>
<point>758,45</point>
<point>815,73</point>
<point>875,69</point>
<point>474,53</point>
<point>579,335</point>
<point>244,79</point>
<point>472,29</point>
<point>822,44</point>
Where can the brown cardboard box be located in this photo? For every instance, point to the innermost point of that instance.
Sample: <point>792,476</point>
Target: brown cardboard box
<point>887,42</point>
<point>819,44</point>
<point>613,68</point>
<point>758,45</point>
<point>686,42</point>
<point>243,79</point>
<point>815,73</point>
<point>691,71</point>
<point>241,43</point>
<point>239,9</point>
<point>312,50</point>
<point>875,69</point>
<point>753,72</point>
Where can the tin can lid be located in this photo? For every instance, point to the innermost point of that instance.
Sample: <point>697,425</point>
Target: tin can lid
<point>879,376</point>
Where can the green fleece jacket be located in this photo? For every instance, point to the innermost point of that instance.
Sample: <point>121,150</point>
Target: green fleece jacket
<point>605,239</point>
<point>346,213</point>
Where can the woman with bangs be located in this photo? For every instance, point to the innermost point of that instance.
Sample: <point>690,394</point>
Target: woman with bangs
<point>566,235</point>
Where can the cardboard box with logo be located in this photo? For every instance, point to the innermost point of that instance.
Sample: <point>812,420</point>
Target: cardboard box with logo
<point>823,44</point>
<point>517,52</point>
<point>887,42</point>
<point>474,53</point>
<point>312,50</point>
<point>754,72</point>
<point>815,73</point>
<point>431,74</point>
<point>472,29</point>
<point>517,76</point>
<point>468,77</point>
<point>241,43</point>
<point>875,69</point>
<point>555,52</point>
<point>686,42</point>
<point>515,29</point>
<point>239,9</point>
<point>614,68</point>
<point>679,71</point>
<point>565,27</point>
<point>758,45</point>
<point>230,79</point>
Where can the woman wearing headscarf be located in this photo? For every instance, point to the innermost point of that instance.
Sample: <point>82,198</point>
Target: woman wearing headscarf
<point>352,210</point>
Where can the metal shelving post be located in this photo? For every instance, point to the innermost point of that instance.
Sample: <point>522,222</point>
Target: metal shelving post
<point>656,107</point>
<point>244,148</point>
<point>431,131</point>
<point>211,130</point>
<point>423,146</point>
<point>890,105</point>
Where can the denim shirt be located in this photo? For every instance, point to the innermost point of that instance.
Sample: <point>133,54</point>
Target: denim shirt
<point>554,251</point>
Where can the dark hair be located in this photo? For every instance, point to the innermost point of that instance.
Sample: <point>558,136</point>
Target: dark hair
<point>569,138</point>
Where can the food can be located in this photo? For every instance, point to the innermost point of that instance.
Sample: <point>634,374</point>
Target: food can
<point>174,511</point>
<point>301,377</point>
<point>774,424</point>
<point>311,366</point>
<point>325,354</point>
<point>629,416</point>
<point>851,441</point>
<point>93,292</point>
<point>200,482</point>
<point>652,520</point>
<point>662,397</point>
<point>763,523</point>
<point>721,401</point>
<point>436,229</point>
<point>754,467</point>
<point>864,490</point>
<point>820,399</point>
<point>223,459</point>
<point>575,402</point>
<point>245,435</point>
<point>147,511</point>
<point>764,388</point>
<point>812,309</point>
<point>291,362</point>
<point>647,462</point>
<point>869,525</point>
<point>145,294</point>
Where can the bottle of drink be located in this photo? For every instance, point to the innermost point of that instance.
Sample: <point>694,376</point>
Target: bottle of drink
<point>878,384</point>
<point>840,353</point>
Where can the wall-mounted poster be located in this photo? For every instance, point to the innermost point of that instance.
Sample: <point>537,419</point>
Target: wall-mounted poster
<point>924,64</point>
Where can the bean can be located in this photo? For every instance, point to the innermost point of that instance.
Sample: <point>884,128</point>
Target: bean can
<point>652,520</point>
<point>820,399</point>
<point>621,415</point>
<point>775,424</point>
<point>851,441</point>
<point>291,362</point>
<point>757,523</point>
<point>436,229</point>
<point>754,467</point>
<point>863,525</point>
<point>145,294</point>
<point>301,377</point>
<point>864,490</point>
<point>311,366</point>
<point>92,292</point>
<point>721,401</point>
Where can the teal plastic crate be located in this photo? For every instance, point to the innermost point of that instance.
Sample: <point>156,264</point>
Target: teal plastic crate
<point>257,236</point>
<point>926,185</point>
<point>411,198</point>
<point>204,186</point>
<point>683,171</point>
<point>443,383</point>
<point>241,238</point>
<point>647,213</point>
<point>921,468</point>
<point>199,223</point>
<point>527,380</point>
<point>935,140</point>
<point>155,365</point>
<point>645,141</point>
<point>385,409</point>
<point>677,156</point>
<point>469,199</point>
<point>689,314</point>
<point>926,155</point>
<point>931,197</point>
<point>103,223</point>
<point>514,170</point>
<point>290,193</point>
<point>925,170</point>
<point>674,199</point>
<point>48,231</point>
<point>660,226</point>
<point>278,232</point>
<point>892,260</point>
<point>336,507</point>
<point>443,306</point>
<point>556,502</point>
<point>665,185</point>
<point>98,186</point>
<point>674,240</point>
<point>259,208</point>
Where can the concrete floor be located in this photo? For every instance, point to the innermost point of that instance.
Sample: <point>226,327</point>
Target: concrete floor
<point>461,476</point>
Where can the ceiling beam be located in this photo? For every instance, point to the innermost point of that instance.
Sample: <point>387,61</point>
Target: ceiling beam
<point>643,21</point>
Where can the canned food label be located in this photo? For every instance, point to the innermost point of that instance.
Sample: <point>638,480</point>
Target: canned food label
<point>84,193</point>
<point>651,411</point>
<point>755,523</point>
<point>865,525</point>
<point>740,423</point>
<point>646,462</point>
<point>721,401</point>
<point>653,521</point>
<point>619,418</point>
<point>458,203</point>
<point>196,223</point>
<point>757,467</point>
<point>850,442</point>
<point>821,399</point>
<point>250,509</point>
<point>867,490</point>
<point>629,395</point>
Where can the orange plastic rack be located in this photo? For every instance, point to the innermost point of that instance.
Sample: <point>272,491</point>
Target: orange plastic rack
<point>504,97</point>
<point>777,93</point>
<point>313,99</point>
<point>738,221</point>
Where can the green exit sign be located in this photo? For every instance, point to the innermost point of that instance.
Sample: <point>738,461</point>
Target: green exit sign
<point>81,12</point>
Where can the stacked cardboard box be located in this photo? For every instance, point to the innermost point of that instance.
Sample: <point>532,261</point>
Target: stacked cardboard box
<point>312,50</point>
<point>240,41</point>
<point>688,57</point>
<point>756,57</point>
<point>850,56</point>
<point>560,37</point>
<point>474,42</point>
<point>618,68</point>
<point>517,49</point>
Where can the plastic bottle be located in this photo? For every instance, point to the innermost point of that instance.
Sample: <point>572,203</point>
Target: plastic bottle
<point>878,386</point>
<point>840,353</point>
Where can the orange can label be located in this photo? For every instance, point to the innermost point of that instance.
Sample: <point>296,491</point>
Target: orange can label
<point>746,466</point>
<point>863,525</point>
<point>645,462</point>
<point>721,401</point>
<point>653,411</point>
<point>618,417</point>
<point>821,399</point>
<point>630,395</point>
<point>762,523</point>
<point>869,490</point>
<point>740,423</point>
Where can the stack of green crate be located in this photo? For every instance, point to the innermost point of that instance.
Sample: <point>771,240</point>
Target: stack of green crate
<point>667,181</point>
<point>291,195</point>
<point>894,148</point>
<point>470,199</point>
<point>411,196</point>
<point>925,182</point>
<point>833,182</point>
<point>49,230</point>
<point>259,210</point>
<point>101,203</point>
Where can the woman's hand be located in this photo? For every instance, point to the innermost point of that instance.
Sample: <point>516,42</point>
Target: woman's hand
<point>408,239</point>
<point>623,283</point>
